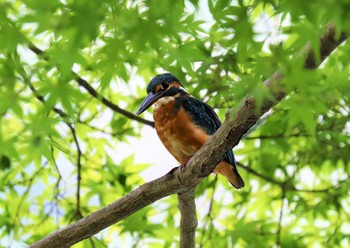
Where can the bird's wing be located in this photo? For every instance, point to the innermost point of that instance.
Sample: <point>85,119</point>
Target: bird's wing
<point>206,118</point>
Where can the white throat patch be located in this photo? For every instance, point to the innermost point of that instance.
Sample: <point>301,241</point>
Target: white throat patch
<point>163,101</point>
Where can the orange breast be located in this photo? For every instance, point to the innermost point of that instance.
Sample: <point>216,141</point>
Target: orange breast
<point>179,135</point>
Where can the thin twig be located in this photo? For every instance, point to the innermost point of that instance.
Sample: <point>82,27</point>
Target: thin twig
<point>278,234</point>
<point>250,170</point>
<point>57,185</point>
<point>83,83</point>
<point>79,154</point>
<point>104,131</point>
<point>72,129</point>
<point>29,185</point>
<point>92,243</point>
<point>277,136</point>
<point>324,190</point>
<point>59,179</point>
<point>64,114</point>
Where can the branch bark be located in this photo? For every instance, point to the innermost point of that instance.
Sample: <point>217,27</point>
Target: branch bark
<point>188,223</point>
<point>200,166</point>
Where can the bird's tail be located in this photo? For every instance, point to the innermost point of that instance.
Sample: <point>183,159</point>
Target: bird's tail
<point>230,173</point>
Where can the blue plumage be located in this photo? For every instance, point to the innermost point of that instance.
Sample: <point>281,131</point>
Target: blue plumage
<point>184,123</point>
<point>165,78</point>
<point>205,117</point>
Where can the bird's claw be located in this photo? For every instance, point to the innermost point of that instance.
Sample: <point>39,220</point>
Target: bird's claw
<point>172,171</point>
<point>181,167</point>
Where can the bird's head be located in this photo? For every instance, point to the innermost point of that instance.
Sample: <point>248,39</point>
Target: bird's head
<point>162,85</point>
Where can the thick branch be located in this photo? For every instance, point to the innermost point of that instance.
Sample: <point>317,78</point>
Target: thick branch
<point>188,223</point>
<point>120,209</point>
<point>230,133</point>
<point>208,225</point>
<point>201,164</point>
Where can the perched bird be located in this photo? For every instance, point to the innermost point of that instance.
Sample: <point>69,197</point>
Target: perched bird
<point>184,123</point>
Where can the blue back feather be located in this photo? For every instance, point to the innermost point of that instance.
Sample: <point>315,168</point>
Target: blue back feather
<point>205,117</point>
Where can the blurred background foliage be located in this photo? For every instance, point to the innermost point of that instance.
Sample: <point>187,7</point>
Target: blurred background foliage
<point>66,66</point>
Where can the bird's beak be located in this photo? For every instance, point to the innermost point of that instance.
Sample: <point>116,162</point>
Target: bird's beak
<point>148,101</point>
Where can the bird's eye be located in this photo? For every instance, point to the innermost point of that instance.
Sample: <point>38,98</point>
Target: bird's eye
<point>165,85</point>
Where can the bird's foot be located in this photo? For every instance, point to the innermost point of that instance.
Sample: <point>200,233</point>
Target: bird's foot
<point>181,167</point>
<point>173,170</point>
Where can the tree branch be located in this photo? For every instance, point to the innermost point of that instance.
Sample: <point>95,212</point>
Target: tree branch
<point>144,195</point>
<point>78,213</point>
<point>72,129</point>
<point>266,178</point>
<point>83,83</point>
<point>209,217</point>
<point>280,217</point>
<point>63,114</point>
<point>188,223</point>
<point>201,165</point>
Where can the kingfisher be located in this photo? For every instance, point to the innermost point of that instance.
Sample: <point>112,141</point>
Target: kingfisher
<point>184,123</point>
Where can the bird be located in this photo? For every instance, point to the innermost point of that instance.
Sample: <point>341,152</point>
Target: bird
<point>184,123</point>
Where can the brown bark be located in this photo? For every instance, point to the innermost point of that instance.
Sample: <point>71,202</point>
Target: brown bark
<point>188,223</point>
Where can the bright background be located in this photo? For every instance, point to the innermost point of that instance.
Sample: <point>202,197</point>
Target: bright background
<point>52,129</point>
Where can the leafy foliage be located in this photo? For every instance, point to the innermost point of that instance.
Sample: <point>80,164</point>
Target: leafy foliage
<point>58,160</point>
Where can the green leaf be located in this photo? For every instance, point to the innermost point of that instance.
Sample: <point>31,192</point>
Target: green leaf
<point>5,162</point>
